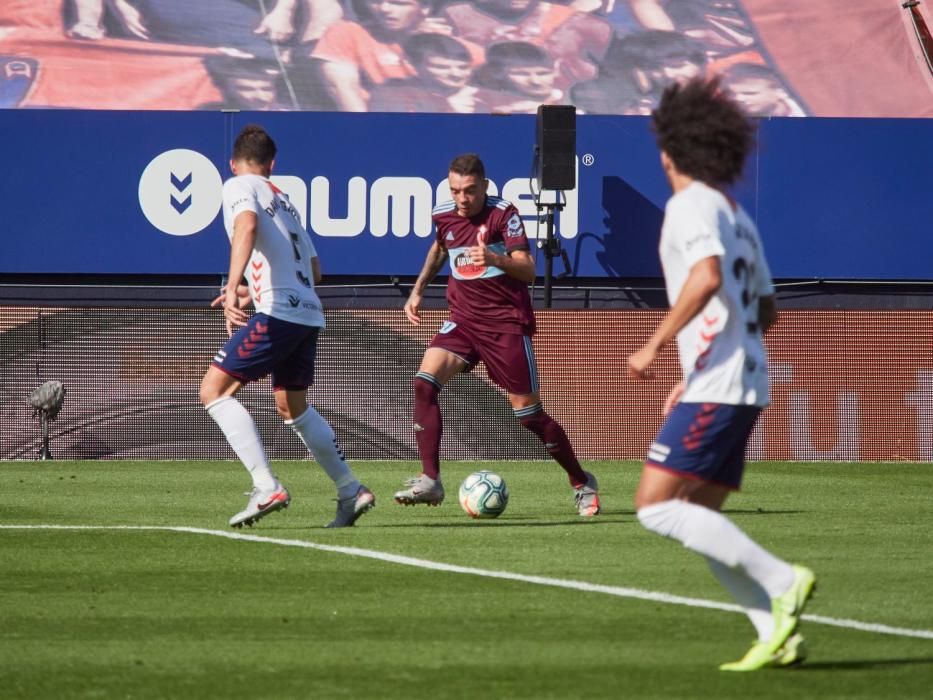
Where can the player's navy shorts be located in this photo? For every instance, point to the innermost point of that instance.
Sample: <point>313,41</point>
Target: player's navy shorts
<point>509,357</point>
<point>704,441</point>
<point>270,345</point>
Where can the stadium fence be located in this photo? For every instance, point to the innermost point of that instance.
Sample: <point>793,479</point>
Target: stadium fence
<point>846,385</point>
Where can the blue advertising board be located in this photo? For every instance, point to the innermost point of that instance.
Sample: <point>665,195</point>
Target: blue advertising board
<point>139,192</point>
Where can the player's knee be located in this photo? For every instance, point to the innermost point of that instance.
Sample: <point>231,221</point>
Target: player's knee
<point>533,418</point>
<point>208,394</point>
<point>533,423</point>
<point>658,517</point>
<point>642,498</point>
<point>283,408</point>
<point>425,388</point>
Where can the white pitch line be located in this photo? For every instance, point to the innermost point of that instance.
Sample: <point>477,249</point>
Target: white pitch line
<point>619,591</point>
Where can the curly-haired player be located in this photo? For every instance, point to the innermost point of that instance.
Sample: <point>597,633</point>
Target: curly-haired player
<point>722,302</point>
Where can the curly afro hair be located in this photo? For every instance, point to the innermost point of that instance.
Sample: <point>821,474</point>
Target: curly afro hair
<point>704,131</point>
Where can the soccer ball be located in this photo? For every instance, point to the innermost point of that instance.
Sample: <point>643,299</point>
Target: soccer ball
<point>484,495</point>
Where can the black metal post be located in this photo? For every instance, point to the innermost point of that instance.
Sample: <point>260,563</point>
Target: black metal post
<point>551,248</point>
<point>44,451</point>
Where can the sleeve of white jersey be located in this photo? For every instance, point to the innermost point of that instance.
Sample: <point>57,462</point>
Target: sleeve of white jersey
<point>239,196</point>
<point>694,230</point>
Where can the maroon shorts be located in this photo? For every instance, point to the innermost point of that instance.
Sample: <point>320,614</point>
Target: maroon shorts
<point>509,357</point>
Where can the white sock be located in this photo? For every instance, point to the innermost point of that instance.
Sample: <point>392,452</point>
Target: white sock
<point>713,535</point>
<point>321,441</point>
<point>748,594</point>
<point>240,431</point>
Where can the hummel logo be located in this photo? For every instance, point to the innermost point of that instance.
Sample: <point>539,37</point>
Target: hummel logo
<point>181,186</point>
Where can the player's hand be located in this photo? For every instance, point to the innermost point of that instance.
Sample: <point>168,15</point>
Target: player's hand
<point>132,19</point>
<point>480,253</point>
<point>639,363</point>
<point>435,25</point>
<point>242,296</point>
<point>413,309</point>
<point>277,26</point>
<point>464,100</point>
<point>674,397</point>
<point>232,301</point>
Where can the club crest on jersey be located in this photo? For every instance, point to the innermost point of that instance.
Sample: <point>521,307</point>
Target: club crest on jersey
<point>465,268</point>
<point>16,78</point>
<point>515,226</point>
<point>449,236</point>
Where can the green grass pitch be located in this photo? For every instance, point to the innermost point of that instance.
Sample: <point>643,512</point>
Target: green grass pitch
<point>135,613</point>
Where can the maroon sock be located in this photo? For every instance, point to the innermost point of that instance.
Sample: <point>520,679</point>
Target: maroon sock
<point>428,424</point>
<point>550,432</point>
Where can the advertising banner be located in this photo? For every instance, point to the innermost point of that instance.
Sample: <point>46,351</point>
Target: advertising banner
<point>109,192</point>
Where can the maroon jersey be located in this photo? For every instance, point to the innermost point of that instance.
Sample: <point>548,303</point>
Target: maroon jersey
<point>484,297</point>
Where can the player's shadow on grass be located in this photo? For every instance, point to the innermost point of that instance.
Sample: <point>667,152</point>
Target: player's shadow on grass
<point>760,511</point>
<point>515,522</point>
<point>861,664</point>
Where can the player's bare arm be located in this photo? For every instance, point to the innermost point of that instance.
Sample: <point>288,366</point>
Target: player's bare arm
<point>279,24</point>
<point>518,263</point>
<point>432,265</point>
<point>242,296</point>
<point>702,283</point>
<point>343,84</point>
<point>241,247</point>
<point>316,269</point>
<point>767,312</point>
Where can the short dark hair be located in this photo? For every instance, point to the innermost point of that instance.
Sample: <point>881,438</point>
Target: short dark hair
<point>651,50</point>
<point>254,144</point>
<point>418,47</point>
<point>468,164</point>
<point>504,55</point>
<point>703,131</point>
<point>507,54</point>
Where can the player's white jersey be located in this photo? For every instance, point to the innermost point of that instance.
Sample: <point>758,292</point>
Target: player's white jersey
<point>279,270</point>
<point>721,349</point>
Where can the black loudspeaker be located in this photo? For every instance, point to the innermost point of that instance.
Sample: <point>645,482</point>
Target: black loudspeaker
<point>557,147</point>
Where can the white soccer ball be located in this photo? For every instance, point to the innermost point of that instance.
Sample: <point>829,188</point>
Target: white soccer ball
<point>484,495</point>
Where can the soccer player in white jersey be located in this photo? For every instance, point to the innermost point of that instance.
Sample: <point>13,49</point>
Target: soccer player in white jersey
<point>272,249</point>
<point>722,301</point>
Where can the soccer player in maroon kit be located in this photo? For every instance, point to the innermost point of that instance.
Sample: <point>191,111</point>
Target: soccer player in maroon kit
<point>491,319</point>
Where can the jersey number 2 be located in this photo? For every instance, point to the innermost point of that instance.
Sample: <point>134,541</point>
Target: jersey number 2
<point>744,272</point>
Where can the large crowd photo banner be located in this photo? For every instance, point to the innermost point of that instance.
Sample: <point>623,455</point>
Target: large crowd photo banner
<point>861,58</point>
